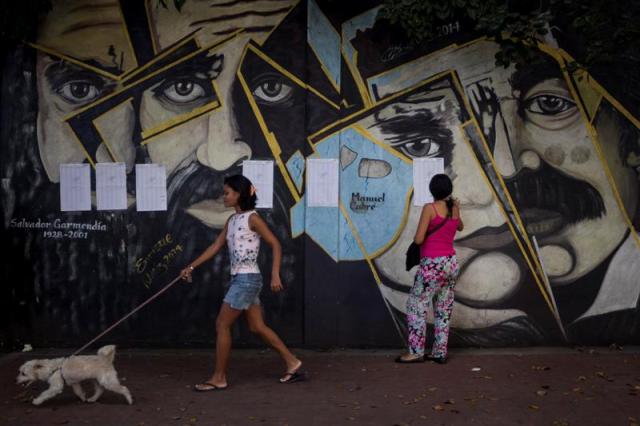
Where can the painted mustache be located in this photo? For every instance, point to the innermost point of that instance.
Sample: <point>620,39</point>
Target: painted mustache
<point>549,199</point>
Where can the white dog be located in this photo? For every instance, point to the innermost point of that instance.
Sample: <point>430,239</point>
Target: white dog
<point>72,371</point>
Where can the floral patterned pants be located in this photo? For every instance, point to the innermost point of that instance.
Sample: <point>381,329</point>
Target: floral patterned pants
<point>435,277</point>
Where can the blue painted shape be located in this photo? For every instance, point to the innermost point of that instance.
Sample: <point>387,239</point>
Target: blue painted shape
<point>376,205</point>
<point>297,218</point>
<point>321,225</point>
<point>350,28</point>
<point>295,166</point>
<point>324,40</point>
<point>329,147</point>
<point>349,248</point>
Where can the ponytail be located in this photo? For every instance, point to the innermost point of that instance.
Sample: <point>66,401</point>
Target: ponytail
<point>449,202</point>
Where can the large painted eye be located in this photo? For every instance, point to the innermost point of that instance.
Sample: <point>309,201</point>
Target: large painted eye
<point>421,148</point>
<point>272,90</point>
<point>548,104</point>
<point>183,91</point>
<point>79,91</point>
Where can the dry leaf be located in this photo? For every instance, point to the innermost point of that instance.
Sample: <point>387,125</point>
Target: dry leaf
<point>438,408</point>
<point>541,392</point>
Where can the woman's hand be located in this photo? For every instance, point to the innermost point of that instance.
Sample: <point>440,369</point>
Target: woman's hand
<point>185,274</point>
<point>276,284</point>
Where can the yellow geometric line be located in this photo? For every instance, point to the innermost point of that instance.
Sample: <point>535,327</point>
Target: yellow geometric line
<point>74,61</point>
<point>269,136</point>
<point>151,30</point>
<point>128,37</point>
<point>325,70</point>
<point>595,141</point>
<point>356,236</point>
<point>458,84</point>
<point>134,72</point>
<point>358,128</point>
<point>297,151</point>
<point>523,251</point>
<point>561,56</point>
<point>453,46</point>
<point>147,77</point>
<point>176,121</point>
<point>82,148</point>
<point>596,109</point>
<point>337,124</point>
<point>112,153</point>
<point>293,6</point>
<point>292,77</point>
<point>357,78</point>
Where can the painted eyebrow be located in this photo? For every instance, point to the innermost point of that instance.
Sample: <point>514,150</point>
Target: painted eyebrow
<point>232,16</point>
<point>62,72</point>
<point>197,65</point>
<point>235,2</point>
<point>255,29</point>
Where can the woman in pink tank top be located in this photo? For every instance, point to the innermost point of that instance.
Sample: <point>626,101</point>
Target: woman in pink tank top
<point>436,275</point>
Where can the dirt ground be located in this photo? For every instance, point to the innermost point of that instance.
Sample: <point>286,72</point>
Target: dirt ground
<point>541,386</point>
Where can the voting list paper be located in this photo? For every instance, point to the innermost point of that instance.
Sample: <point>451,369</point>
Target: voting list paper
<point>322,182</point>
<point>75,187</point>
<point>260,173</point>
<point>111,186</point>
<point>423,170</point>
<point>151,187</point>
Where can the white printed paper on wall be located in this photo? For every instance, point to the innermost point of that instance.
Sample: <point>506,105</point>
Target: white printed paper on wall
<point>322,182</point>
<point>260,173</point>
<point>423,170</point>
<point>111,186</point>
<point>75,187</point>
<point>151,187</point>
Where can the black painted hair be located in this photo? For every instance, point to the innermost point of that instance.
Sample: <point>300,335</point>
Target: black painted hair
<point>441,188</point>
<point>242,185</point>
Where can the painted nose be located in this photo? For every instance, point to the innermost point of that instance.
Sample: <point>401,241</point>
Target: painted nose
<point>223,148</point>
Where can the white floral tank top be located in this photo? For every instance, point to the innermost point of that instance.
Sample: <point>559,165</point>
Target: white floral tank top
<point>243,244</point>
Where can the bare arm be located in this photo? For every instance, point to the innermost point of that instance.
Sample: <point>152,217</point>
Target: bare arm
<point>423,225</point>
<point>210,251</point>
<point>257,224</point>
<point>456,213</point>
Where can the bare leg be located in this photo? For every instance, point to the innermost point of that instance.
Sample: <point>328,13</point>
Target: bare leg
<point>225,320</point>
<point>56,385</point>
<point>257,326</point>
<point>98,390</point>
<point>77,389</point>
<point>111,383</point>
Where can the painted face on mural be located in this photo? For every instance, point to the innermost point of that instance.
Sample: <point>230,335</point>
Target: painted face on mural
<point>210,146</point>
<point>187,117</point>
<point>92,33</point>
<point>554,174</point>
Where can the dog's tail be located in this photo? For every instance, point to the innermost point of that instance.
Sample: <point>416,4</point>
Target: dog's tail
<point>108,352</point>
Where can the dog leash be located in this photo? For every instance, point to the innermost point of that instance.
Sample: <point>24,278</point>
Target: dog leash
<point>140,306</point>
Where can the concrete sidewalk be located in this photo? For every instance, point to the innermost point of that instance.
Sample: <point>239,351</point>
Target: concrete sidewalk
<point>538,386</point>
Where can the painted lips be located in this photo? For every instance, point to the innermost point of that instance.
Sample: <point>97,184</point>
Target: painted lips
<point>212,213</point>
<point>538,222</point>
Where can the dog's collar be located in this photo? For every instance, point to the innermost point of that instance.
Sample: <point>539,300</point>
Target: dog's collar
<point>60,370</point>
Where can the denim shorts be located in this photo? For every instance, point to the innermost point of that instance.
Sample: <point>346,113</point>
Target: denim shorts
<point>244,291</point>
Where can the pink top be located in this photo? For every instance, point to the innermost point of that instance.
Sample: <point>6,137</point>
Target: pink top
<point>440,243</point>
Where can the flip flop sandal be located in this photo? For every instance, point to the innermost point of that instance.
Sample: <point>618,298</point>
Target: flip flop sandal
<point>400,360</point>
<point>292,377</point>
<point>208,387</point>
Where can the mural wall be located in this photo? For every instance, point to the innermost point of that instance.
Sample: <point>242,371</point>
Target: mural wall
<point>545,164</point>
